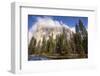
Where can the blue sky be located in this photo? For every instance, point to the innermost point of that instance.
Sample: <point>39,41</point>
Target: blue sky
<point>68,20</point>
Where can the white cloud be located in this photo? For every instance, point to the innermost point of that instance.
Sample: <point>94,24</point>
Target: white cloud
<point>73,29</point>
<point>30,36</point>
<point>47,22</point>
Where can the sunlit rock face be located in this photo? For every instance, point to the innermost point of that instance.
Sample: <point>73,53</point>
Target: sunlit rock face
<point>45,31</point>
<point>48,27</point>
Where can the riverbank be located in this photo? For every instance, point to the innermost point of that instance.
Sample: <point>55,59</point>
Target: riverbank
<point>52,57</point>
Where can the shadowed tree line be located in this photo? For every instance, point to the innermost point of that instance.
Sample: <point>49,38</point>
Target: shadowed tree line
<point>61,47</point>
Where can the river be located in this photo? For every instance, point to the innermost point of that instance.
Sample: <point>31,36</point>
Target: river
<point>34,58</point>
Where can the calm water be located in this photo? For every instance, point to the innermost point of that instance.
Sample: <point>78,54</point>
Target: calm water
<point>34,57</point>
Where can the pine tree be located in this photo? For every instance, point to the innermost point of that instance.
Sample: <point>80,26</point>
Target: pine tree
<point>61,43</point>
<point>48,46</point>
<point>77,28</point>
<point>38,47</point>
<point>78,39</point>
<point>32,46</point>
<point>72,43</point>
<point>84,36</point>
<point>82,28</point>
<point>58,44</point>
<point>43,44</point>
<point>51,47</point>
<point>81,39</point>
<point>64,42</point>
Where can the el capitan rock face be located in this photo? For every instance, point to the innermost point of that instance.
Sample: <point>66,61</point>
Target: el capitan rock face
<point>46,26</point>
<point>46,31</point>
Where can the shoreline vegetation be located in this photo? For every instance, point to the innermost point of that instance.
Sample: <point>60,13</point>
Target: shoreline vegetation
<point>53,57</point>
<point>61,47</point>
